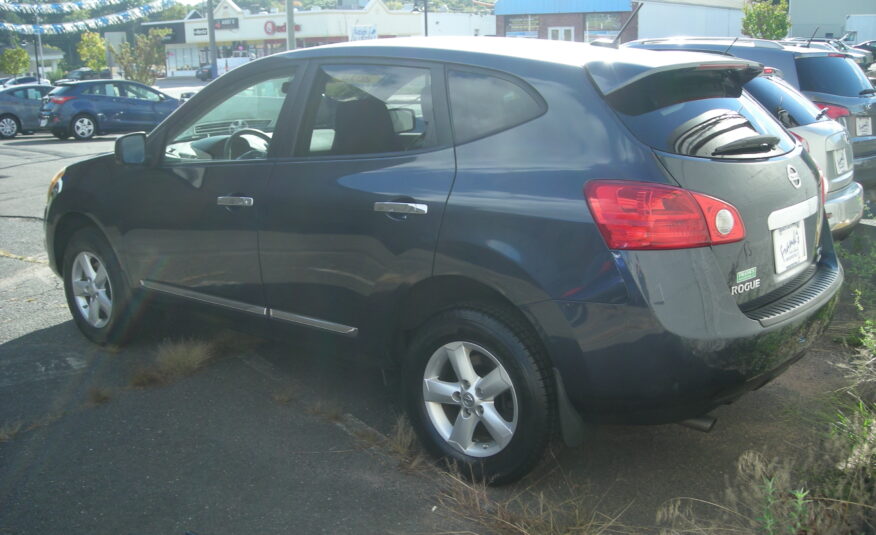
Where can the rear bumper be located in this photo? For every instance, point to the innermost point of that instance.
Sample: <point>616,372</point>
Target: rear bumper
<point>680,348</point>
<point>844,208</point>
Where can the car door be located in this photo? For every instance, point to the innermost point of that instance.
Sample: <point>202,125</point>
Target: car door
<point>145,107</point>
<point>103,100</point>
<point>354,213</point>
<point>191,217</point>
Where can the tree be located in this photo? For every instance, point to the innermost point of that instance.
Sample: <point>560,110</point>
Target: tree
<point>142,61</point>
<point>765,19</point>
<point>92,50</point>
<point>14,61</point>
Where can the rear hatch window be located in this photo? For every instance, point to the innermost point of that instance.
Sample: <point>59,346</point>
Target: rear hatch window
<point>702,113</point>
<point>834,75</point>
<point>784,102</point>
<point>60,90</point>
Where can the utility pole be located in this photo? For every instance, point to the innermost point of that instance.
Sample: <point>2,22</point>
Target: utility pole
<point>426,15</point>
<point>211,31</point>
<point>290,26</point>
<point>38,51</point>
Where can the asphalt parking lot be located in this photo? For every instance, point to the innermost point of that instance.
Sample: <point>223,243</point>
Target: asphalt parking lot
<point>267,438</point>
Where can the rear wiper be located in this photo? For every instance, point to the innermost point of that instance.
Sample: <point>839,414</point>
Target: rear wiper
<point>868,91</point>
<point>747,145</point>
<point>821,114</point>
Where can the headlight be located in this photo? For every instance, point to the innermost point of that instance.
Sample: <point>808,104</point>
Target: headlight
<point>57,184</point>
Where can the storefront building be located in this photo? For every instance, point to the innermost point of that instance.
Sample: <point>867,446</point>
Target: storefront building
<point>586,20</point>
<point>240,34</point>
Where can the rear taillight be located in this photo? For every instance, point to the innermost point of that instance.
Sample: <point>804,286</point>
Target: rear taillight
<point>641,215</point>
<point>834,112</point>
<point>801,140</point>
<point>60,100</point>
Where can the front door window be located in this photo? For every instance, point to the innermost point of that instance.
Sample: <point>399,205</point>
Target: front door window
<point>239,127</point>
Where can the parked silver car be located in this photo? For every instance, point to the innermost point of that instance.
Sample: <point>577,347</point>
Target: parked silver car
<point>827,142</point>
<point>20,108</point>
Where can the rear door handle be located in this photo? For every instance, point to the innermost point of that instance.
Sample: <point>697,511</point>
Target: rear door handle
<point>401,207</point>
<point>234,201</point>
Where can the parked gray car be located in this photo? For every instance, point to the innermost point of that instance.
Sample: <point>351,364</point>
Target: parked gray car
<point>827,142</point>
<point>20,108</point>
<point>830,79</point>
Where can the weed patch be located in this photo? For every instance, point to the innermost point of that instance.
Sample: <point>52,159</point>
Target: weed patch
<point>8,431</point>
<point>174,360</point>
<point>99,396</point>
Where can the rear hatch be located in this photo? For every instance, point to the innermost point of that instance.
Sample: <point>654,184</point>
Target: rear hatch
<point>839,86</point>
<point>56,98</point>
<point>713,139</point>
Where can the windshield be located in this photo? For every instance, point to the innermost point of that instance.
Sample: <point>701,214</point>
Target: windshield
<point>833,75</point>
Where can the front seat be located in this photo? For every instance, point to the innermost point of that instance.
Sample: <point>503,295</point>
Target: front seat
<point>363,126</point>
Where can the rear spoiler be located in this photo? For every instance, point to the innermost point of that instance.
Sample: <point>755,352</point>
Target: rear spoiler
<point>615,76</point>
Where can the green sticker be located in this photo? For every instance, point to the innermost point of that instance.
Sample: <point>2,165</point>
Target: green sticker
<point>745,275</point>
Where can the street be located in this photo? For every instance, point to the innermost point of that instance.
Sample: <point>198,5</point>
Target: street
<point>268,436</point>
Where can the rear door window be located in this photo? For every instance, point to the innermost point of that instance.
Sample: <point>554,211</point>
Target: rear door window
<point>701,113</point>
<point>482,104</point>
<point>833,75</point>
<point>786,104</point>
<point>369,109</point>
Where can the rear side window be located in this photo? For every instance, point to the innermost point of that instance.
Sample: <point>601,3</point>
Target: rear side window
<point>482,104</point>
<point>699,113</point>
<point>786,104</point>
<point>833,75</point>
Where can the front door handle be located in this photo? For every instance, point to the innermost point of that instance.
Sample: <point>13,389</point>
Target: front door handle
<point>234,201</point>
<point>401,207</point>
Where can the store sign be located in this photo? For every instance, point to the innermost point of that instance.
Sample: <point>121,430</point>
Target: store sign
<point>272,27</point>
<point>522,26</point>
<point>226,24</point>
<point>200,31</point>
<point>363,33</point>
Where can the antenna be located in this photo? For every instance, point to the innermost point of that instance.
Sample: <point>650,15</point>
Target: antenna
<point>614,42</point>
<point>812,36</point>
<point>727,50</point>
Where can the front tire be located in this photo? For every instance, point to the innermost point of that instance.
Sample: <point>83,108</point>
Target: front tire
<point>479,394</point>
<point>97,294</point>
<point>83,127</point>
<point>9,126</point>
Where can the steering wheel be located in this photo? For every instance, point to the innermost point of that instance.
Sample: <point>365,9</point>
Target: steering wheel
<point>229,142</point>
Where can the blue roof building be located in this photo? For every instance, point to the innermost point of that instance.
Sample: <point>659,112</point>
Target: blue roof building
<point>566,20</point>
<point>528,7</point>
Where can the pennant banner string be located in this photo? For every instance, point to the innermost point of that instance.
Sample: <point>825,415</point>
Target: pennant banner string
<point>89,24</point>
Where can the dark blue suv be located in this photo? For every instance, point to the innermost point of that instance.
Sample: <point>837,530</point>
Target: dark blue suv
<point>536,233</point>
<point>86,109</point>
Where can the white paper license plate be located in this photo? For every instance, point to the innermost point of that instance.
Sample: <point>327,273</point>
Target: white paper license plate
<point>865,126</point>
<point>789,246</point>
<point>44,122</point>
<point>842,163</point>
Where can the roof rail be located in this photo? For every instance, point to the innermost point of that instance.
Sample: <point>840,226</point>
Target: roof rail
<point>749,40</point>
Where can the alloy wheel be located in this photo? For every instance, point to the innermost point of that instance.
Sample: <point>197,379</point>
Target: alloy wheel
<point>8,127</point>
<point>91,289</point>
<point>83,127</point>
<point>470,399</point>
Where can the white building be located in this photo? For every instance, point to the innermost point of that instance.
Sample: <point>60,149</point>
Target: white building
<point>240,33</point>
<point>713,18</point>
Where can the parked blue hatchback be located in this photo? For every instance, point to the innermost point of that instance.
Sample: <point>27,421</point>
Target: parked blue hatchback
<point>86,109</point>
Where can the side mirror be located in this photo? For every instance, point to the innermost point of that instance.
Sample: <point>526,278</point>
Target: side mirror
<point>131,149</point>
<point>403,119</point>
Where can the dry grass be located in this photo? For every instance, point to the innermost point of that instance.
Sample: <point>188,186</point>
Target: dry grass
<point>99,396</point>
<point>286,395</point>
<point>327,409</point>
<point>566,512</point>
<point>8,431</point>
<point>175,360</point>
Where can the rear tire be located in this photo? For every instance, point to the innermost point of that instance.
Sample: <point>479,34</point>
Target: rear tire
<point>60,134</point>
<point>478,392</point>
<point>83,127</point>
<point>9,126</point>
<point>97,294</point>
